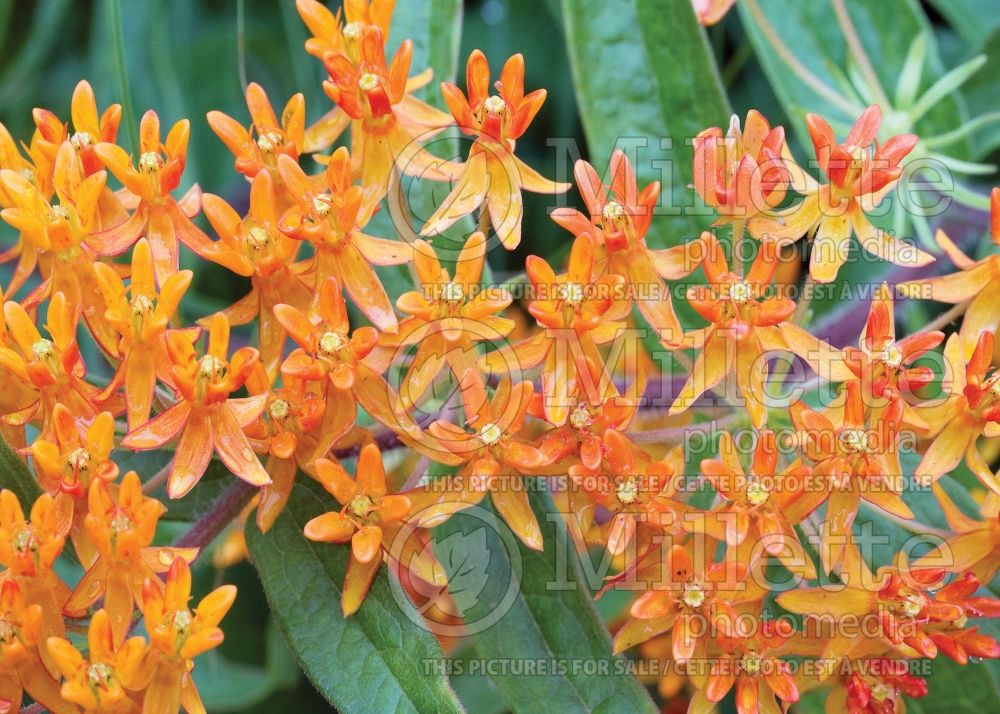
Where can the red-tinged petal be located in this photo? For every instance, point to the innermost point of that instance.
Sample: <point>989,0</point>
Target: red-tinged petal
<point>233,448</point>
<point>366,289</point>
<point>513,505</point>
<point>194,451</point>
<point>158,431</point>
<point>830,249</point>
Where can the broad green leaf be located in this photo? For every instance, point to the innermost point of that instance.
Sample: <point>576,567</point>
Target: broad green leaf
<point>551,623</point>
<point>376,660</point>
<point>434,27</point>
<point>16,476</point>
<point>810,32</point>
<point>645,78</point>
<point>973,20</point>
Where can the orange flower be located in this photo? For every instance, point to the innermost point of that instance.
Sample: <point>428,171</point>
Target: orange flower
<point>448,317</point>
<point>761,508</point>
<point>329,36</point>
<point>977,280</point>
<point>140,316</point>
<point>255,248</point>
<point>858,462</point>
<point>177,635</point>
<point>366,509</point>
<point>61,236</point>
<point>637,492</point>
<point>161,218</point>
<point>876,686</point>
<point>121,523</point>
<point>21,670</point>
<point>885,366</point>
<point>257,148</point>
<point>384,140</point>
<point>494,456</point>
<point>573,310</point>
<point>619,217</point>
<point>332,221</point>
<point>89,129</point>
<point>742,173</point>
<point>50,368</point>
<point>956,639</point>
<point>970,409</point>
<point>861,174</point>
<point>66,464</point>
<point>28,550</point>
<point>492,177</point>
<point>286,432</point>
<point>694,599</point>
<point>742,317</point>
<point>710,12</point>
<point>749,663</point>
<point>98,681</point>
<point>206,418</point>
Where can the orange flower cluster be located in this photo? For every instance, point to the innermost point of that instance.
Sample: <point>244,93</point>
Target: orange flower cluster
<point>554,402</point>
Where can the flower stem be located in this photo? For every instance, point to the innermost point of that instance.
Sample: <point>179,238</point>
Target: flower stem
<point>858,50</point>
<point>947,317</point>
<point>221,513</point>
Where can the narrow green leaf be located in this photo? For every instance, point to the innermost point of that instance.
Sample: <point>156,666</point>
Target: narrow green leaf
<point>551,624</point>
<point>981,93</point>
<point>16,476</point>
<point>376,660</point>
<point>645,77</point>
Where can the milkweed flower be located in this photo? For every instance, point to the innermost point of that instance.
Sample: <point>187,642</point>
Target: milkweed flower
<point>206,418</point>
<point>977,281</point>
<point>372,93</point>
<point>161,218</point>
<point>178,634</point>
<point>447,318</point>
<point>740,311</point>
<point>492,177</point>
<point>493,454</point>
<point>254,247</point>
<point>861,173</point>
<point>141,315</point>
<point>367,509</point>
<point>100,681</point>
<point>21,669</point>
<point>742,173</point>
<point>969,409</point>
<point>619,217</point>
<point>76,454</point>
<point>857,461</point>
<point>875,685</point>
<point>331,218</point>
<point>121,523</point>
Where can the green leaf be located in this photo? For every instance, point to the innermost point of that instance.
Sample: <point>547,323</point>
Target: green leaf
<point>973,20</point>
<point>550,624</point>
<point>811,33</point>
<point>376,660</point>
<point>435,28</point>
<point>644,73</point>
<point>981,92</point>
<point>16,476</point>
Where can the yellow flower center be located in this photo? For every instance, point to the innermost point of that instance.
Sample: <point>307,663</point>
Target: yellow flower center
<point>7,632</point>
<point>612,211</point>
<point>81,140</point>
<point>321,204</point>
<point>911,605</point>
<point>331,342</point>
<point>120,523</point>
<point>210,367</point>
<point>495,105</point>
<point>257,238</point>
<point>99,674</point>
<point>23,541</point>
<point>627,491</point>
<point>490,434</point>
<point>43,349</point>
<point>881,691</point>
<point>141,306</point>
<point>453,292</point>
<point>751,664</point>
<point>891,356</point>
<point>694,595</point>
<point>182,621</point>
<point>757,492</point>
<point>854,439</point>
<point>278,409</point>
<point>361,506</point>
<point>60,211</point>
<point>268,142</point>
<point>149,162</point>
<point>352,31</point>
<point>368,81</point>
<point>740,291</point>
<point>993,384</point>
<point>572,292</point>
<point>580,417</point>
<point>78,459</point>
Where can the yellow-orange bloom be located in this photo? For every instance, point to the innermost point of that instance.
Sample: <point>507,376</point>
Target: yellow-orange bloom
<point>159,216</point>
<point>99,681</point>
<point>367,508</point>
<point>206,419</point>
<point>177,635</point>
<point>492,176</point>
